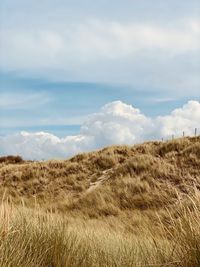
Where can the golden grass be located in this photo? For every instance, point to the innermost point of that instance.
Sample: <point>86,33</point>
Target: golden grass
<point>120,206</point>
<point>36,238</point>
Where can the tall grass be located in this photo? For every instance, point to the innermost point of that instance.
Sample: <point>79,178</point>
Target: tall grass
<point>144,210</point>
<point>30,237</point>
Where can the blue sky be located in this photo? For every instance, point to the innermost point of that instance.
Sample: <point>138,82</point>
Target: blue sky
<point>61,107</point>
<point>62,60</point>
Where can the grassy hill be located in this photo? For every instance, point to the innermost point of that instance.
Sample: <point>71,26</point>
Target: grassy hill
<point>120,206</point>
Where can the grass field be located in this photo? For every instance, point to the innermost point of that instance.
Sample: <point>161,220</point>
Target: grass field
<point>121,206</point>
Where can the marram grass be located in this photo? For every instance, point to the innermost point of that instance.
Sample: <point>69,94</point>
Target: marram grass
<point>122,206</point>
<point>31,238</point>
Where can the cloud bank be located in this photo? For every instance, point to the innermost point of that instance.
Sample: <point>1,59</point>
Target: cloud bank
<point>115,123</point>
<point>86,43</point>
<point>109,50</point>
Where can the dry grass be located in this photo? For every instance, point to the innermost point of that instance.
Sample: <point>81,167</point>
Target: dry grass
<point>34,238</point>
<point>121,206</point>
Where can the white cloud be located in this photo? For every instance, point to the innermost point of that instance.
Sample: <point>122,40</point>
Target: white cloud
<point>94,40</point>
<point>21,50</point>
<point>116,123</point>
<point>184,119</point>
<point>42,145</point>
<point>148,44</point>
<point>162,56</point>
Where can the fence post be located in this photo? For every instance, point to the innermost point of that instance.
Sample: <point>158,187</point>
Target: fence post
<point>195,132</point>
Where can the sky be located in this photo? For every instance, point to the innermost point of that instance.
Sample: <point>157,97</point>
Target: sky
<point>67,66</point>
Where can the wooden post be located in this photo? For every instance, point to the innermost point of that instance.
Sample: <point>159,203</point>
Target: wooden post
<point>195,132</point>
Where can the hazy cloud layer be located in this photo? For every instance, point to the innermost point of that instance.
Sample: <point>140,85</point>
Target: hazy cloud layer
<point>95,40</point>
<point>151,44</point>
<point>115,123</point>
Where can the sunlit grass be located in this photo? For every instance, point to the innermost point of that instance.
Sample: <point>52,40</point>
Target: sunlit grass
<point>30,237</point>
<point>143,212</point>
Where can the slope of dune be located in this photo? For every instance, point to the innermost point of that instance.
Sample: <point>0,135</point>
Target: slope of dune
<point>122,206</point>
<point>107,182</point>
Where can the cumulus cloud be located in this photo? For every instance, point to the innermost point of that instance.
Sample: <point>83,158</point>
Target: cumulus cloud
<point>182,119</point>
<point>116,123</point>
<point>42,145</point>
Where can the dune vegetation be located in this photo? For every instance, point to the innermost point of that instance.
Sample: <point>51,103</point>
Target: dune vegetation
<point>120,206</point>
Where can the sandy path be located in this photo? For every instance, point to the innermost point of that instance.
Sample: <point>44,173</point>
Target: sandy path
<point>104,177</point>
